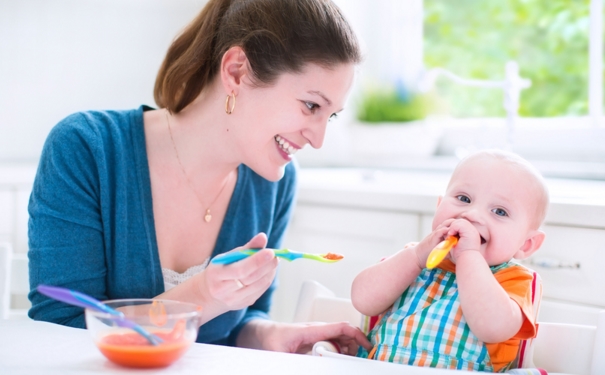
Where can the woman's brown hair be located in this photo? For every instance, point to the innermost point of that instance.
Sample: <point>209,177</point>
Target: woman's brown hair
<point>277,36</point>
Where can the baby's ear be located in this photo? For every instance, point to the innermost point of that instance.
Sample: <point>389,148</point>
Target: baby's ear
<point>439,198</point>
<point>531,244</point>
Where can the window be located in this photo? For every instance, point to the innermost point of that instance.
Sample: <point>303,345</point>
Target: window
<point>557,45</point>
<point>548,38</point>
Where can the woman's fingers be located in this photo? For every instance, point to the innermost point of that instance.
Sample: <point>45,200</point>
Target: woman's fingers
<point>344,334</point>
<point>240,284</point>
<point>258,271</point>
<point>351,337</point>
<point>252,268</point>
<point>258,241</point>
<point>258,266</point>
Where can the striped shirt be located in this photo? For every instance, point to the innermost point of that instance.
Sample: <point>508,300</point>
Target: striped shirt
<point>426,327</point>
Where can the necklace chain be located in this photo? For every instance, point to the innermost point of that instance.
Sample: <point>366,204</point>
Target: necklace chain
<point>208,215</point>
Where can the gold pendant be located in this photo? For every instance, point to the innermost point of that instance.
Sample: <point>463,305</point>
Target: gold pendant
<point>207,217</point>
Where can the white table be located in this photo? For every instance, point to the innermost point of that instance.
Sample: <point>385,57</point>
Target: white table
<point>29,347</point>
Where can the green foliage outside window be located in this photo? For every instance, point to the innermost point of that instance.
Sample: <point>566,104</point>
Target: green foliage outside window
<point>395,104</point>
<point>474,39</point>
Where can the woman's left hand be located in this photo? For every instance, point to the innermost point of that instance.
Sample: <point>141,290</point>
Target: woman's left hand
<point>300,337</point>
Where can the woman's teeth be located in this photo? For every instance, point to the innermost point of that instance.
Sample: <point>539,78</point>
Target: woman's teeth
<point>284,145</point>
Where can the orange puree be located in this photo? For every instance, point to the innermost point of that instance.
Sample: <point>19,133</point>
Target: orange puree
<point>133,350</point>
<point>333,256</point>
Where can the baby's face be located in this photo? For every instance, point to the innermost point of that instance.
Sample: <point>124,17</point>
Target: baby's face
<point>499,201</point>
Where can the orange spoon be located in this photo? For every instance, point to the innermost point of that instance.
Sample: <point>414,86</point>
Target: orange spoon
<point>440,251</point>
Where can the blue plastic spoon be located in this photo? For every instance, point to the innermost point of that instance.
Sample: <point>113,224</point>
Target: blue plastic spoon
<point>72,297</point>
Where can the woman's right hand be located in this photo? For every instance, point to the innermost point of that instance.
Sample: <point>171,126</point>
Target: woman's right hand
<point>238,285</point>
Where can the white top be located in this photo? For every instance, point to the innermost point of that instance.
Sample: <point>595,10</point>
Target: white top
<point>173,278</point>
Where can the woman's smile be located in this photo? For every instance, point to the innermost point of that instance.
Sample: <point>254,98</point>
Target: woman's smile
<point>286,148</point>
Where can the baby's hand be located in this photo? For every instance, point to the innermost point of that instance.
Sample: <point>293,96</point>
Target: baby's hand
<point>469,238</point>
<point>424,247</point>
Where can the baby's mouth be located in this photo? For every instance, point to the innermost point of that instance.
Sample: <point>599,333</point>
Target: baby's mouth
<point>285,145</point>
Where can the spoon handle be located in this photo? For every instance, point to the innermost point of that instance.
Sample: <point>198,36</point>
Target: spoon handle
<point>228,258</point>
<point>440,251</point>
<point>76,298</point>
<point>72,297</point>
<point>234,256</point>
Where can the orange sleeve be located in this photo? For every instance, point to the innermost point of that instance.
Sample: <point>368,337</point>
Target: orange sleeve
<point>518,282</point>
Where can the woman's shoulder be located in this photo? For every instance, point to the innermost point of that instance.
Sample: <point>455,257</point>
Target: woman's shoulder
<point>97,123</point>
<point>100,132</point>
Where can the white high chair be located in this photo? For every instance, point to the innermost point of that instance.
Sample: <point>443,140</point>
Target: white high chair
<point>569,348</point>
<point>318,303</point>
<point>14,280</point>
<point>558,348</point>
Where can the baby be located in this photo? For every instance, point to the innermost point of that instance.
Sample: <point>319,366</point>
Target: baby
<point>473,310</point>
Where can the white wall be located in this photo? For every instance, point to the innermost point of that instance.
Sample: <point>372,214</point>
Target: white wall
<point>62,56</point>
<point>390,32</point>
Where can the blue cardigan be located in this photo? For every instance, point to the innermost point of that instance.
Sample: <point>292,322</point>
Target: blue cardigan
<point>91,225</point>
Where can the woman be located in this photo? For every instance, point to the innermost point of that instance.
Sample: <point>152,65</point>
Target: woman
<point>133,204</point>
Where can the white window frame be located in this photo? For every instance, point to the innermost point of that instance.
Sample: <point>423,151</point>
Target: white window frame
<point>595,53</point>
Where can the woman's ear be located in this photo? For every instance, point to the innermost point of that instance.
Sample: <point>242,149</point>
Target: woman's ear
<point>234,67</point>
<point>531,244</point>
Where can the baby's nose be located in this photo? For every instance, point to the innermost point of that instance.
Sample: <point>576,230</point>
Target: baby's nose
<point>471,215</point>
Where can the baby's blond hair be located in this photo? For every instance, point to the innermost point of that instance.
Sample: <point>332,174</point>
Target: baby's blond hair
<point>534,177</point>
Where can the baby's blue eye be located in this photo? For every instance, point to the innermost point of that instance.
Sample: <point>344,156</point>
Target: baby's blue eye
<point>464,198</point>
<point>311,106</point>
<point>500,212</point>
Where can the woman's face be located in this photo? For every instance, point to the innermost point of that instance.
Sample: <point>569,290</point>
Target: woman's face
<point>280,119</point>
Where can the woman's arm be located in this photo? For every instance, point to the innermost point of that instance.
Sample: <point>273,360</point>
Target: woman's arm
<point>65,229</point>
<point>300,338</point>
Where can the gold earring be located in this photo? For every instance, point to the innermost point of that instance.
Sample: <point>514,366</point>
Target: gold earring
<point>227,109</point>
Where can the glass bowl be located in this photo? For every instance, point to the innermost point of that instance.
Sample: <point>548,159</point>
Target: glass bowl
<point>175,323</point>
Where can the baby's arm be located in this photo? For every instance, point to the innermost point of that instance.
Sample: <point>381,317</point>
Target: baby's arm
<point>376,288</point>
<point>489,311</point>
